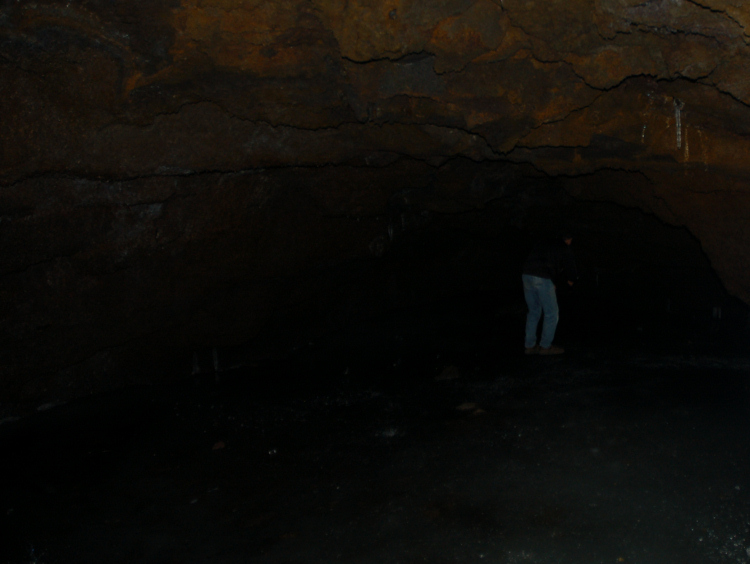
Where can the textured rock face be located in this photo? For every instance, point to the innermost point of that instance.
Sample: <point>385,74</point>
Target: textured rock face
<point>165,164</point>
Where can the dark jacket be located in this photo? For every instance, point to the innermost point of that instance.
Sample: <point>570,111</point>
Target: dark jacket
<point>551,259</point>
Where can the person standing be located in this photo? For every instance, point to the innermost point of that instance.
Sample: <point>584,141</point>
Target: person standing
<point>547,261</point>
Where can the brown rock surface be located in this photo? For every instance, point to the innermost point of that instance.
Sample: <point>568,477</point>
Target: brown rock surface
<point>171,172</point>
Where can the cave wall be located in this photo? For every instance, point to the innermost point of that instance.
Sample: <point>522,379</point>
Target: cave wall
<point>172,171</point>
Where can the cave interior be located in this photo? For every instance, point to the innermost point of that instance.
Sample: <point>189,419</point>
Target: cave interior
<point>260,281</point>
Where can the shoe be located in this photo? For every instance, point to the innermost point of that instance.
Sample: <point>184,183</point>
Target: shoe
<point>531,350</point>
<point>552,350</point>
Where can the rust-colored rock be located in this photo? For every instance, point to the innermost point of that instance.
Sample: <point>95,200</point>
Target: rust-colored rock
<point>164,164</point>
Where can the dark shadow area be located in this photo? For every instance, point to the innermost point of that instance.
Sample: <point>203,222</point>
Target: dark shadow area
<point>419,432</point>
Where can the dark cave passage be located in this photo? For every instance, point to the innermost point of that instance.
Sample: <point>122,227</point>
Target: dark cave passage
<point>260,282</point>
<point>386,412</point>
<point>122,283</point>
<point>450,281</point>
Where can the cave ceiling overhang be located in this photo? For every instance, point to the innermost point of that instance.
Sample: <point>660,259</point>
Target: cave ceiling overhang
<point>130,89</point>
<point>162,115</point>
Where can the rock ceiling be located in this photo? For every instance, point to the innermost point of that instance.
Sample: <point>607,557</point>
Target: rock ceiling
<point>124,121</point>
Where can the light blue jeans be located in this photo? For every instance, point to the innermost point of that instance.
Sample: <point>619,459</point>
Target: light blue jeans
<point>540,297</point>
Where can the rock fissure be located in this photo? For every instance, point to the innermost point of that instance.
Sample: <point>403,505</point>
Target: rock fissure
<point>667,30</point>
<point>744,82</point>
<point>398,58</point>
<point>725,13</point>
<point>713,10</point>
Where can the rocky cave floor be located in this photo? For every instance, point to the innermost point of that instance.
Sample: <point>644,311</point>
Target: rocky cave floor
<point>423,438</point>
